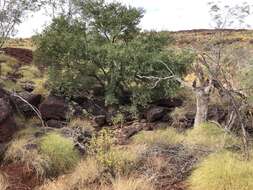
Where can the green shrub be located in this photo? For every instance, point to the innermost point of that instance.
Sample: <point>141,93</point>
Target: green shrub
<point>211,136</point>
<point>60,152</point>
<point>223,171</point>
<point>162,137</point>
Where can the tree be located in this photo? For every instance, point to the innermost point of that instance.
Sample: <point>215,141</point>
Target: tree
<point>113,51</point>
<point>12,12</point>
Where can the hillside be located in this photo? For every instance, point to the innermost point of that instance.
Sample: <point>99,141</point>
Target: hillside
<point>55,142</point>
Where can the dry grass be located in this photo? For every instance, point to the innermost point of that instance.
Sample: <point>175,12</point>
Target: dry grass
<point>163,137</point>
<point>83,124</point>
<point>132,184</point>
<point>211,136</point>
<point>84,175</point>
<point>223,171</point>
<point>3,182</point>
<point>17,152</point>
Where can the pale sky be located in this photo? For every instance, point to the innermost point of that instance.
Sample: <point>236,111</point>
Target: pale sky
<point>169,15</point>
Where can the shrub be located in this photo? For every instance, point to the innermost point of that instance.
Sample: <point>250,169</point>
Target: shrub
<point>3,182</point>
<point>17,152</point>
<point>212,136</point>
<point>115,160</point>
<point>132,184</point>
<point>223,171</point>
<point>162,137</point>
<point>60,152</point>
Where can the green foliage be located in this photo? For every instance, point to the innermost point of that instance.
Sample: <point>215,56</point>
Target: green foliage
<point>110,51</point>
<point>62,47</point>
<point>60,152</point>
<point>223,171</point>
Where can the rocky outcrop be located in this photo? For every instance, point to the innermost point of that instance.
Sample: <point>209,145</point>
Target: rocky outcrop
<point>55,108</point>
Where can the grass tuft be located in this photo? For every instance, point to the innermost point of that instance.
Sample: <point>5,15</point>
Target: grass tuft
<point>223,171</point>
<point>211,136</point>
<point>60,151</point>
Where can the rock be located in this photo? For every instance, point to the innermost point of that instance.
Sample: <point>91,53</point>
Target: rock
<point>33,99</point>
<point>8,128</point>
<point>100,120</point>
<point>55,124</point>
<point>5,109</point>
<point>169,102</point>
<point>155,114</point>
<point>54,108</point>
<point>8,125</point>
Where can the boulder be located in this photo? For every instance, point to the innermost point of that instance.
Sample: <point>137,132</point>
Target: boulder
<point>100,120</point>
<point>33,99</point>
<point>54,107</point>
<point>156,113</point>
<point>5,109</point>
<point>7,123</point>
<point>8,128</point>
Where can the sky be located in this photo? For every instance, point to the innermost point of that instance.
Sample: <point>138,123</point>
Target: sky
<point>169,15</point>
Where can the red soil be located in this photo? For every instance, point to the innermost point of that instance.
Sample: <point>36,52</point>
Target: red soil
<point>20,177</point>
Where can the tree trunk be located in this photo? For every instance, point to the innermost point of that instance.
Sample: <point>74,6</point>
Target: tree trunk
<point>202,99</point>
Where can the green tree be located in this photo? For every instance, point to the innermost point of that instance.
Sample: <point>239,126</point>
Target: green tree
<point>111,51</point>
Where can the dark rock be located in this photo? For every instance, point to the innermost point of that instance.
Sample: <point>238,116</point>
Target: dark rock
<point>5,109</point>
<point>8,128</point>
<point>155,114</point>
<point>169,102</point>
<point>167,118</point>
<point>23,107</point>
<point>95,106</point>
<point>100,120</point>
<point>54,108</point>
<point>55,124</point>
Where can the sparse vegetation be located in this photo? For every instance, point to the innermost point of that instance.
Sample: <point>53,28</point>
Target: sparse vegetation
<point>163,137</point>
<point>124,108</point>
